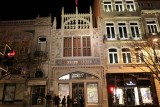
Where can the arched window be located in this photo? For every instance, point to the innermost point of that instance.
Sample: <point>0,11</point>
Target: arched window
<point>113,56</point>
<point>126,54</point>
<point>39,74</point>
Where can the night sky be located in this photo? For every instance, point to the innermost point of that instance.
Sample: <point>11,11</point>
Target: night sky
<point>29,9</point>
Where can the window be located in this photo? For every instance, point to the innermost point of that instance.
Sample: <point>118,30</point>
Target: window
<point>41,44</point>
<point>77,46</point>
<point>122,31</point>
<point>118,6</point>
<point>92,93</point>
<point>130,5</point>
<point>113,56</point>
<point>126,55</point>
<point>110,31</point>
<point>139,55</point>
<point>107,6</point>
<point>135,30</point>
<point>152,26</point>
<point>63,90</point>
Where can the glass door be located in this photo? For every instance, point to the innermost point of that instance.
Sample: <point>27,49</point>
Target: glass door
<point>77,92</point>
<point>130,96</point>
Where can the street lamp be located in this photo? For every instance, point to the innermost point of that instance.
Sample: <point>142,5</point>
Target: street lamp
<point>155,40</point>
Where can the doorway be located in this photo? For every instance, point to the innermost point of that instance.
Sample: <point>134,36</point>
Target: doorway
<point>77,92</point>
<point>130,96</point>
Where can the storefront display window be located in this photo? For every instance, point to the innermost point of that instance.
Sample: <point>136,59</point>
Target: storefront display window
<point>146,95</point>
<point>131,89</point>
<point>92,93</point>
<point>119,98</point>
<point>9,92</point>
<point>63,90</point>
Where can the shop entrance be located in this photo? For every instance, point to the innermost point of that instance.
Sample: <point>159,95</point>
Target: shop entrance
<point>130,96</point>
<point>77,92</point>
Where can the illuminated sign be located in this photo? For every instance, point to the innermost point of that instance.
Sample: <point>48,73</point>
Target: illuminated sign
<point>130,83</point>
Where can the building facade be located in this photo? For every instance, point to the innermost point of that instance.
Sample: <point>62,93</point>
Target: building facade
<point>89,56</point>
<point>129,81</point>
<point>27,78</point>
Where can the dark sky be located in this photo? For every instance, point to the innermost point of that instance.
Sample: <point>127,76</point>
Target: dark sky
<point>29,9</point>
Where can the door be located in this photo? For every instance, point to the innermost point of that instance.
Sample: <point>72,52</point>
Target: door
<point>77,93</point>
<point>130,96</point>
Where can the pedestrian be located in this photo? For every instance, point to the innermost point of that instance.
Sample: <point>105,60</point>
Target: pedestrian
<point>64,102</point>
<point>82,101</point>
<point>48,98</point>
<point>57,100</point>
<point>68,101</point>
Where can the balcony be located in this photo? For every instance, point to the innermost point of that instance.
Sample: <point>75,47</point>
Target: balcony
<point>112,37</point>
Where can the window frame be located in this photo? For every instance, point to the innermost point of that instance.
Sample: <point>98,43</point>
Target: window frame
<point>152,27</point>
<point>107,6</point>
<point>111,29</point>
<point>126,57</point>
<point>84,49</point>
<point>134,33</point>
<point>130,5</point>
<point>122,34</point>
<point>119,6</point>
<point>113,56</point>
<point>42,45</point>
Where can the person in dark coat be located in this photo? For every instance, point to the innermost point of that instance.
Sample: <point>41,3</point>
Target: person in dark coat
<point>68,101</point>
<point>82,101</point>
<point>48,98</point>
<point>57,101</point>
<point>64,102</point>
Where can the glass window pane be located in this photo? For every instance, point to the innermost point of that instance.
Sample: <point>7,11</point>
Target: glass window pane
<point>92,93</point>
<point>63,90</point>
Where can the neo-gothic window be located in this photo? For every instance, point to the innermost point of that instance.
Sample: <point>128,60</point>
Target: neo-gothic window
<point>77,46</point>
<point>122,31</point>
<point>135,30</point>
<point>113,56</point>
<point>41,44</point>
<point>130,5</point>
<point>108,6</point>
<point>152,26</point>
<point>126,54</point>
<point>110,31</point>
<point>118,6</point>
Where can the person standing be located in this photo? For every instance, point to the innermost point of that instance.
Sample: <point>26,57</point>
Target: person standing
<point>82,101</point>
<point>57,101</point>
<point>48,98</point>
<point>64,102</point>
<point>68,101</point>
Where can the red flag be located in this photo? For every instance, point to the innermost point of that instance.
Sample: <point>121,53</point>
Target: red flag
<point>76,2</point>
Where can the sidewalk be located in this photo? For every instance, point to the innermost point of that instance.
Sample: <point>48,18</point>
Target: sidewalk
<point>11,105</point>
<point>18,105</point>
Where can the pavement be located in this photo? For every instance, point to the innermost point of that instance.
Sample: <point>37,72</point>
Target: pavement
<point>18,105</point>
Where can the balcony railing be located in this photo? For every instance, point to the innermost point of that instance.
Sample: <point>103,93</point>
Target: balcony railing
<point>122,36</point>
